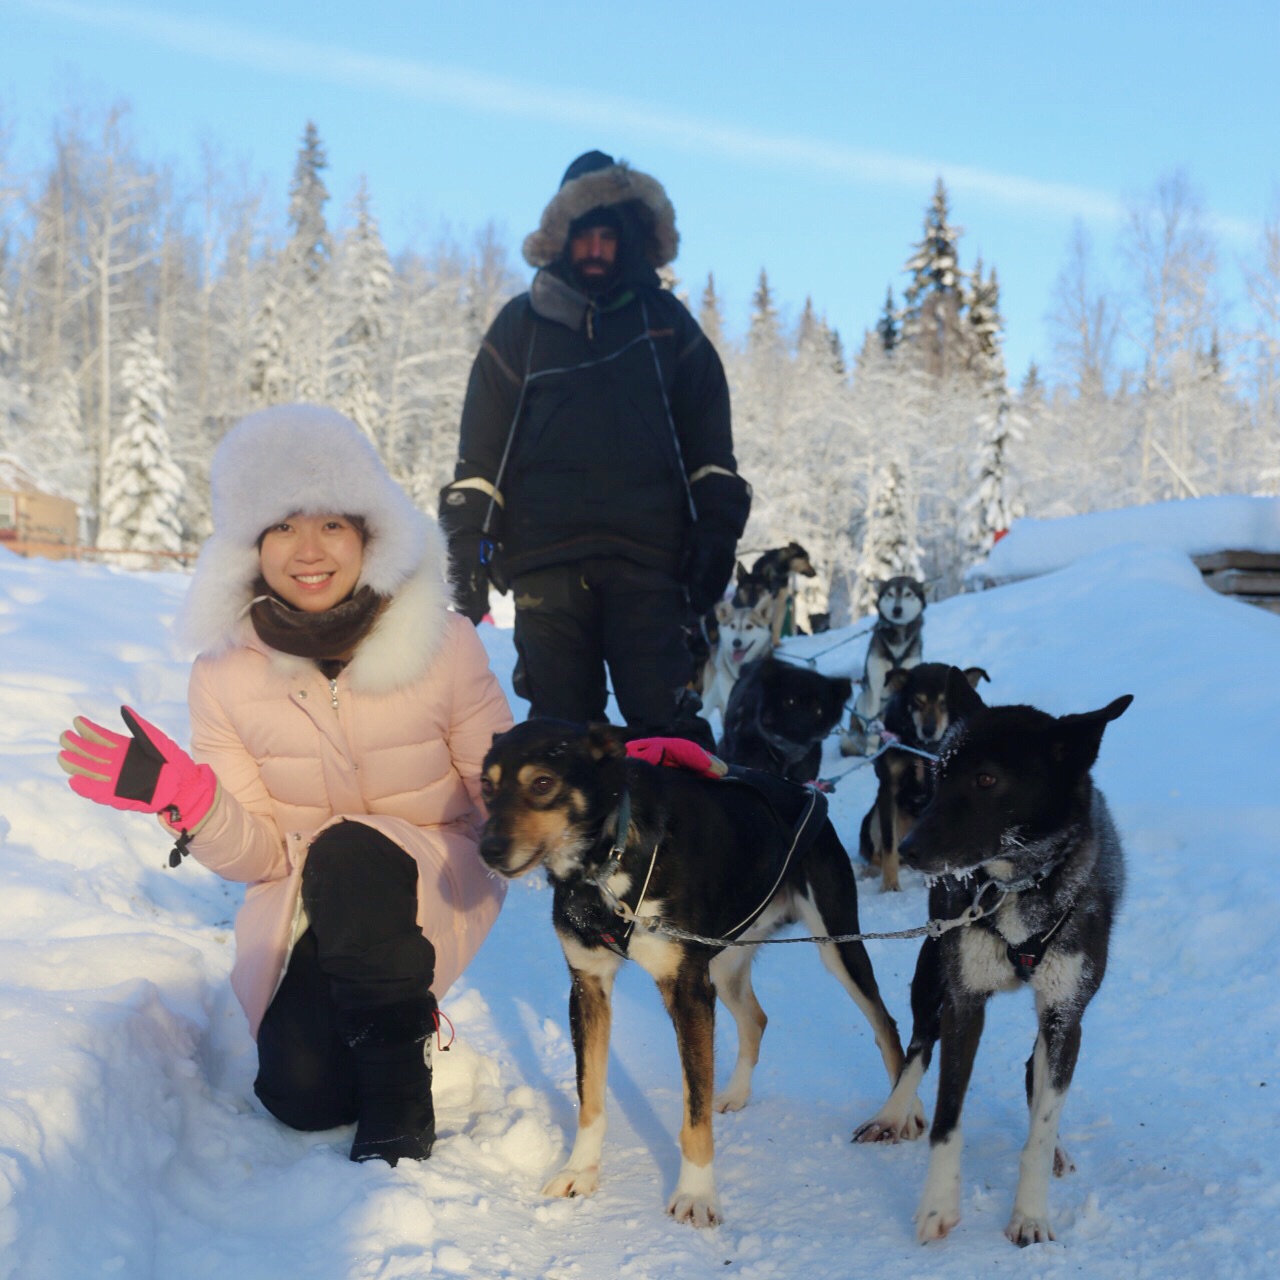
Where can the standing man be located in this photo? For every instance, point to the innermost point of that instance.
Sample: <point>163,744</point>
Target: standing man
<point>595,472</point>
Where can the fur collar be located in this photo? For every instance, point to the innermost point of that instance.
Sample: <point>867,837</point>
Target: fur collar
<point>407,637</point>
<point>617,184</point>
<point>396,653</point>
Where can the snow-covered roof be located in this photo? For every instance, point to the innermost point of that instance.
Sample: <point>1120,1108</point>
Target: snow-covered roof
<point>1194,526</point>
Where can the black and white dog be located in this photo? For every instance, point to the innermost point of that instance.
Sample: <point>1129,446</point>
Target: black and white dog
<point>624,841</point>
<point>897,642</point>
<point>1017,831</point>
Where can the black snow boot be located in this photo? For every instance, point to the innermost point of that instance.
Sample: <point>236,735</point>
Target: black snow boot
<point>391,1048</point>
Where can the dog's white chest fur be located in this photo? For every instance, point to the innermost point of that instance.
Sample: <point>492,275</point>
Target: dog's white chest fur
<point>984,962</point>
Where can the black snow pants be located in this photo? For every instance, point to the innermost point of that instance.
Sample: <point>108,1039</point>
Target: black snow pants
<point>361,956</point>
<point>573,620</point>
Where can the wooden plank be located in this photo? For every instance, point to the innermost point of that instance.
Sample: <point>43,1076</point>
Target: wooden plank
<point>1238,582</point>
<point>1215,560</point>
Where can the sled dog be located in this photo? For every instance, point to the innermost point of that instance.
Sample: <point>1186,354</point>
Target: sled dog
<point>923,704</point>
<point>743,634</point>
<point>897,640</point>
<point>770,579</point>
<point>622,839</point>
<point>1018,829</point>
<point>778,716</point>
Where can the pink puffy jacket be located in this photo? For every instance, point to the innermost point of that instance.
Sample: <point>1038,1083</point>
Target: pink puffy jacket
<point>396,741</point>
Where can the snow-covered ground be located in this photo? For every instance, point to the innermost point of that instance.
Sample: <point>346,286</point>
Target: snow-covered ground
<point>131,1145</point>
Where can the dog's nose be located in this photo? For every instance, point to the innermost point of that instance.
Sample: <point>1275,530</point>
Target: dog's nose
<point>493,848</point>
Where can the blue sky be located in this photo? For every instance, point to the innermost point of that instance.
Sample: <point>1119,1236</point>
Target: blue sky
<point>804,138</point>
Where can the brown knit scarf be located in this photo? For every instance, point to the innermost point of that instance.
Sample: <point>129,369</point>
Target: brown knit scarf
<point>329,639</point>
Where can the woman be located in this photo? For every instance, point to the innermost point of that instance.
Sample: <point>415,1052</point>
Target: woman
<point>339,716</point>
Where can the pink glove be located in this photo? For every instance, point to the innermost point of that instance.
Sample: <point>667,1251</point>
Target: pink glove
<point>146,772</point>
<point>678,753</point>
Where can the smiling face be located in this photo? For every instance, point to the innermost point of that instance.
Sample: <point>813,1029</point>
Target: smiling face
<point>312,562</point>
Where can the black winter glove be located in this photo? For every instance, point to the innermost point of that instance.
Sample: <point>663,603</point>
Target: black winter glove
<point>472,552</point>
<point>709,558</point>
<point>468,576</point>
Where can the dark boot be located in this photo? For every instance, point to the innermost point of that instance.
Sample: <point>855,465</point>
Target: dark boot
<point>391,1047</point>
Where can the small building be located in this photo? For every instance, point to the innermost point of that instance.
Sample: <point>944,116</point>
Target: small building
<point>33,522</point>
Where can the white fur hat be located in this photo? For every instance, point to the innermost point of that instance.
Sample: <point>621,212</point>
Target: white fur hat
<point>286,460</point>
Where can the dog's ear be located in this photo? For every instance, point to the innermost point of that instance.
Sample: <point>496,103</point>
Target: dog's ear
<point>963,698</point>
<point>975,676</point>
<point>723,611</point>
<point>741,572</point>
<point>896,678</point>
<point>1078,738</point>
<point>841,690</point>
<point>605,742</point>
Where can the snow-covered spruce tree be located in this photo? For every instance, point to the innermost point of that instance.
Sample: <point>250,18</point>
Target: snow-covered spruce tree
<point>889,543</point>
<point>12,400</point>
<point>364,294</point>
<point>813,500</point>
<point>52,442</point>
<point>760,384</point>
<point>142,496</point>
<point>934,297</point>
<point>269,378</point>
<point>995,502</point>
<point>710,315</point>
<point>305,273</point>
<point>986,328</point>
<point>887,325</point>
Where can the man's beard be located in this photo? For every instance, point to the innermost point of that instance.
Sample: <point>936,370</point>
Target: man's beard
<point>595,282</point>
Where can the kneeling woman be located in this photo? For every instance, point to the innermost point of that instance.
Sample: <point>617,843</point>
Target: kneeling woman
<point>339,716</point>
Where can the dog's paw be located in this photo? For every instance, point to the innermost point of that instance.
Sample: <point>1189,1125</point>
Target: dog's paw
<point>1063,1164</point>
<point>573,1182</point>
<point>853,744</point>
<point>1029,1230</point>
<point>934,1222</point>
<point>890,884</point>
<point>888,1126</point>
<point>696,1210</point>
<point>731,1099</point>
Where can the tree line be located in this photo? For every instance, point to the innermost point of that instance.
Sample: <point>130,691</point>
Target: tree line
<point>142,313</point>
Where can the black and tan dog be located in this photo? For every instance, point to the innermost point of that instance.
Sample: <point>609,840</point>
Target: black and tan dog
<point>1018,830</point>
<point>722,858</point>
<point>923,704</point>
<point>769,579</point>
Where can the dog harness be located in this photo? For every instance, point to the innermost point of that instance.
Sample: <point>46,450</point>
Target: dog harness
<point>1026,956</point>
<point>678,753</point>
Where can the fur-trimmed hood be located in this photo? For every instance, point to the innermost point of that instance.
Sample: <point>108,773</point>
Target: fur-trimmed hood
<point>615,184</point>
<point>307,459</point>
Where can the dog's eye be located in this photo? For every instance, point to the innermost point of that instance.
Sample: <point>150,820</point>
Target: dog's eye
<point>487,789</point>
<point>985,780</point>
<point>542,784</point>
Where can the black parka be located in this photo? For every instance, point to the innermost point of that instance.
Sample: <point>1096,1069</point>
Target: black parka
<point>622,435</point>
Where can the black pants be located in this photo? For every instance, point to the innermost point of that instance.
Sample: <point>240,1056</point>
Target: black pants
<point>574,619</point>
<point>362,950</point>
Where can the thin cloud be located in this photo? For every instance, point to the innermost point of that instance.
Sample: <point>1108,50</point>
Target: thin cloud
<point>420,81</point>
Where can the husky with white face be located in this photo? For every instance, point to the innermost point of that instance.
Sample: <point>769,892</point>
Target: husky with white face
<point>897,643</point>
<point>745,634</point>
